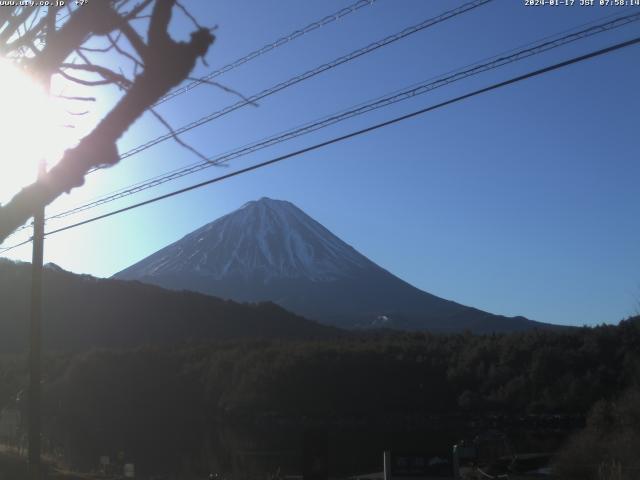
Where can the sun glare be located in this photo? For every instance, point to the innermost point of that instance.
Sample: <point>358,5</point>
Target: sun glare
<point>31,129</point>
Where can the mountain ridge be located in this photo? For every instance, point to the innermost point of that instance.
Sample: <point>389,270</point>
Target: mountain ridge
<point>270,250</point>
<point>81,312</point>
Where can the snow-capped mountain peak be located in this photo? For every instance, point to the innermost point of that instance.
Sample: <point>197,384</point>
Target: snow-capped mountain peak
<point>270,250</point>
<point>263,239</point>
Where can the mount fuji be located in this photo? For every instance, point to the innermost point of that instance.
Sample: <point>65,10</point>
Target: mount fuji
<point>270,250</point>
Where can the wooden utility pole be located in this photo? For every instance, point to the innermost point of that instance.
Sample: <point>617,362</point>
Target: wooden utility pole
<point>35,334</point>
<point>35,342</point>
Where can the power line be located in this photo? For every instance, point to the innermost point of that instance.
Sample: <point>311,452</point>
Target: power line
<point>362,108</point>
<point>307,75</point>
<point>356,133</point>
<point>267,48</point>
<point>354,7</point>
<point>418,89</point>
<point>7,249</point>
<point>332,17</point>
<point>254,54</point>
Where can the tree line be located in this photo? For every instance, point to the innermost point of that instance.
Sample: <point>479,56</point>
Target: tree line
<point>132,399</point>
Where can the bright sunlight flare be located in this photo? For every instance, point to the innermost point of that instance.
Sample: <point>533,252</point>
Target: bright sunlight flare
<point>31,129</point>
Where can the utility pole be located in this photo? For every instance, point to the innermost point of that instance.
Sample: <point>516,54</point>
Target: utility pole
<point>35,333</point>
<point>35,340</point>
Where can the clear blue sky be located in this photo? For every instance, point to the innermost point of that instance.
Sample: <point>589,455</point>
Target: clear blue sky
<point>520,202</point>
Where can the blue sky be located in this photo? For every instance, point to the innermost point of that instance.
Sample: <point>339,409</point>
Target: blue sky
<point>520,202</point>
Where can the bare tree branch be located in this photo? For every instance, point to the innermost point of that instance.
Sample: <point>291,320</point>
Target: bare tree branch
<point>176,137</point>
<point>134,39</point>
<point>81,81</point>
<point>135,12</point>
<point>95,49</point>
<point>114,44</point>
<point>158,34</point>
<point>166,63</point>
<point>13,24</point>
<point>225,88</point>
<point>78,114</point>
<point>5,15</point>
<point>188,15</point>
<point>105,73</point>
<point>95,18</point>
<point>79,99</point>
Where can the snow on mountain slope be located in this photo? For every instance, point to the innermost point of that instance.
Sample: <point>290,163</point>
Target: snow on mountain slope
<point>263,239</point>
<point>270,250</point>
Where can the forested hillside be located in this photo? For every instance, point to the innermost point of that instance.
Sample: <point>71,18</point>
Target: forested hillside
<point>539,371</point>
<point>149,399</point>
<point>83,312</point>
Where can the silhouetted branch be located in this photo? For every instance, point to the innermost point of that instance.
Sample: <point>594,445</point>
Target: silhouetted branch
<point>78,99</point>
<point>225,88</point>
<point>25,40</point>
<point>78,114</point>
<point>81,81</point>
<point>5,15</point>
<point>95,18</point>
<point>114,44</point>
<point>108,75</point>
<point>134,39</point>
<point>188,15</point>
<point>165,64</point>
<point>13,23</point>
<point>135,12</point>
<point>175,136</point>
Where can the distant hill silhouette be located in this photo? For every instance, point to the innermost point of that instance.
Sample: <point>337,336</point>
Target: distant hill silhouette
<point>82,312</point>
<point>270,250</point>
